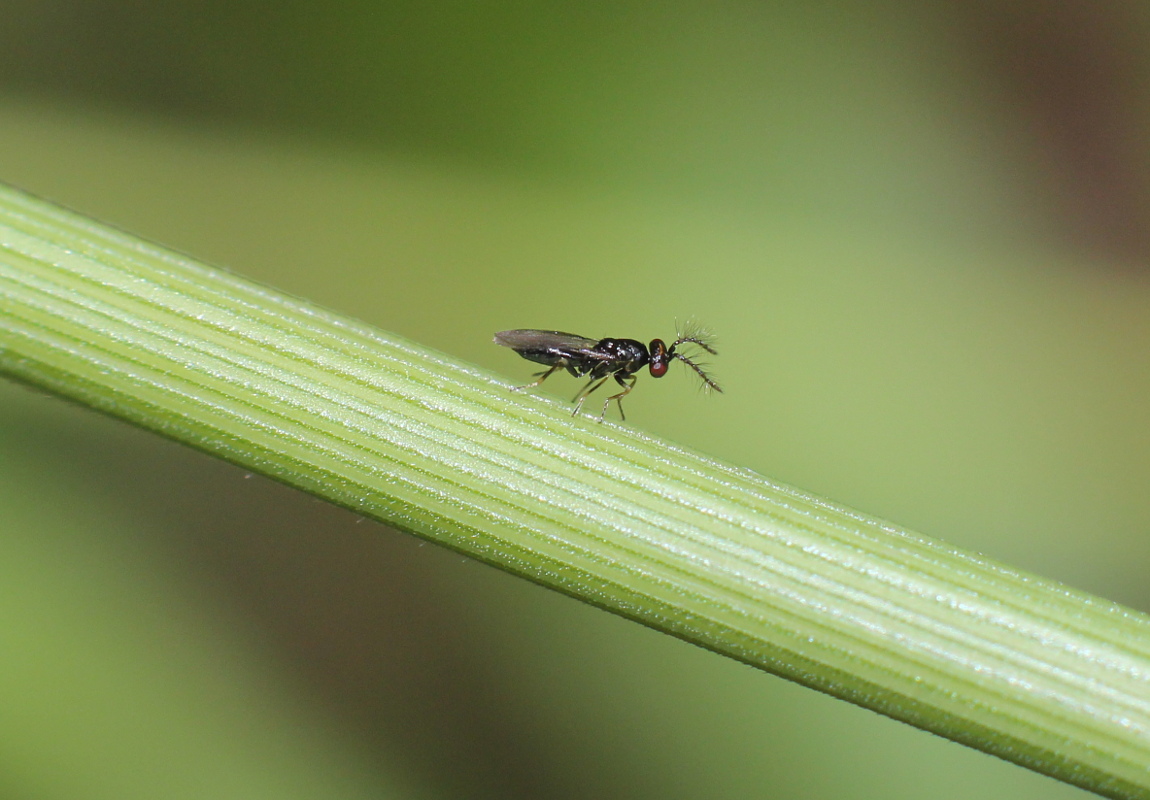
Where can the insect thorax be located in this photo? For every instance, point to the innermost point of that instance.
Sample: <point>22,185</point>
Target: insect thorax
<point>626,356</point>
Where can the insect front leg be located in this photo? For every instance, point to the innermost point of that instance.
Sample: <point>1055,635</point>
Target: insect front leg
<point>618,398</point>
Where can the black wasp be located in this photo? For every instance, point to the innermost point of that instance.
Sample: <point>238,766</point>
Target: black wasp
<point>601,359</point>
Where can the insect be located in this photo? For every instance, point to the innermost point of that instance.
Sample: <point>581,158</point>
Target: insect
<point>602,359</point>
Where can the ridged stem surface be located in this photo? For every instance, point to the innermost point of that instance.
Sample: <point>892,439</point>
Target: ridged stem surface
<point>1048,677</point>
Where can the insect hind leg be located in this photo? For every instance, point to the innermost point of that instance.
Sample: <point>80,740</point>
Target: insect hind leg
<point>542,377</point>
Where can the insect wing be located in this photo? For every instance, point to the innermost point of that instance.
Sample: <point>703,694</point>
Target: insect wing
<point>555,343</point>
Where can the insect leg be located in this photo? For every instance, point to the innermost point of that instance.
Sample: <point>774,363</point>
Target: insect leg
<point>618,398</point>
<point>545,375</point>
<point>594,384</point>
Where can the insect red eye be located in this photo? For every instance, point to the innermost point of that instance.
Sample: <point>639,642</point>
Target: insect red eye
<point>659,360</point>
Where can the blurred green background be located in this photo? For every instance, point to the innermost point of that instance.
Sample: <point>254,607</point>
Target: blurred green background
<point>920,231</point>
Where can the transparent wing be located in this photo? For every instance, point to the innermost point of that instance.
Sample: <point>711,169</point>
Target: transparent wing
<point>567,345</point>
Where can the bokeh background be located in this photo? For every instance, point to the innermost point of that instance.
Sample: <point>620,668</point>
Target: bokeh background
<point>921,232</point>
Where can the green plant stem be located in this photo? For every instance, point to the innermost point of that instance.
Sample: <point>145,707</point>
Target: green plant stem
<point>1032,671</point>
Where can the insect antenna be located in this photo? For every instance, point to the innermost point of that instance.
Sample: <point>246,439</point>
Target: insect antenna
<point>703,342</point>
<point>693,333</point>
<point>708,381</point>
